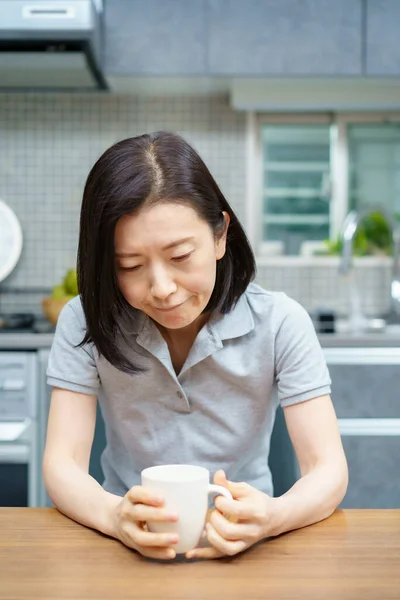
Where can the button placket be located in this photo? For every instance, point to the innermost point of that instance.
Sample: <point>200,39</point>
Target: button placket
<point>183,400</point>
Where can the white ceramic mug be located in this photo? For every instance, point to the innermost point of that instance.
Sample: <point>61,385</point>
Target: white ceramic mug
<point>185,490</point>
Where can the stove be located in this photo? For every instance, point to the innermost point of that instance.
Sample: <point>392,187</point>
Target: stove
<point>24,322</point>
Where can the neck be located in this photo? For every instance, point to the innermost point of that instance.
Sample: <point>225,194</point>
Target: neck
<point>185,335</point>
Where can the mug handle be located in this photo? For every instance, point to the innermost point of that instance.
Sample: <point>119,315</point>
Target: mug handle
<point>218,489</point>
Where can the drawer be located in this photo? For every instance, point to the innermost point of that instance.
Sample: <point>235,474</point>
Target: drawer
<point>374,473</point>
<point>363,391</point>
<point>18,384</point>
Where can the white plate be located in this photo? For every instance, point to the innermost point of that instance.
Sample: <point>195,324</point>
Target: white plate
<point>10,240</point>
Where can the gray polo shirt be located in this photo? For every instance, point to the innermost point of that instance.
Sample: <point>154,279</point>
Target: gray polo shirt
<point>219,411</point>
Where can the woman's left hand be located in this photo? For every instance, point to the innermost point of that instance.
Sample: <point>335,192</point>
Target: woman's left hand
<point>237,524</point>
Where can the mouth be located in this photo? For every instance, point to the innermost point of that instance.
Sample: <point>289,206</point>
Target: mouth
<point>170,309</point>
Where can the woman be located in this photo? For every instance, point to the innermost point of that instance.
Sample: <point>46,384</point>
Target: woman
<point>183,352</point>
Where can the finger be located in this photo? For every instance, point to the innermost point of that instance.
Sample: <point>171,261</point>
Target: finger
<point>237,489</point>
<point>231,531</point>
<point>148,539</point>
<point>238,511</point>
<point>229,548</point>
<point>156,553</point>
<point>141,512</point>
<point>209,552</point>
<point>140,495</point>
<point>220,478</point>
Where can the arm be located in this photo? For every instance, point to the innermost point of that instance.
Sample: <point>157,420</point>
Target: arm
<point>70,432</point>
<point>75,493</point>
<point>314,432</point>
<point>252,515</point>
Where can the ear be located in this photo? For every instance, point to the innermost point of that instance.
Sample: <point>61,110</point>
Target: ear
<point>220,244</point>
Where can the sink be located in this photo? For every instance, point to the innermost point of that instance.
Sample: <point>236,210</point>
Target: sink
<point>375,326</point>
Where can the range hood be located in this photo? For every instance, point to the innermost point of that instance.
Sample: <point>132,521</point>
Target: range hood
<point>51,45</point>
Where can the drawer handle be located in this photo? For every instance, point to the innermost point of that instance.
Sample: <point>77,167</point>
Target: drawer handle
<point>12,385</point>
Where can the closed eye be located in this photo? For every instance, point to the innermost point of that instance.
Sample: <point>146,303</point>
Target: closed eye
<point>134,268</point>
<point>181,258</point>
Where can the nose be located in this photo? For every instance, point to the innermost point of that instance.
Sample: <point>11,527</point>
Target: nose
<point>162,285</point>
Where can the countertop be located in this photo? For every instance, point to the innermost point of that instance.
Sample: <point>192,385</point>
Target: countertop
<point>34,341</point>
<point>359,340</point>
<point>25,341</point>
<point>355,554</point>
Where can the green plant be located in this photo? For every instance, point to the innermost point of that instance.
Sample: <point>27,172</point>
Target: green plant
<point>68,288</point>
<point>373,237</point>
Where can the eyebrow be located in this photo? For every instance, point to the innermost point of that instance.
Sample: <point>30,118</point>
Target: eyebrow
<point>167,247</point>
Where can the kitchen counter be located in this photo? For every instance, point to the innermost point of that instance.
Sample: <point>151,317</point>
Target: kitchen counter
<point>359,340</point>
<point>25,341</point>
<point>34,341</point>
<point>353,554</point>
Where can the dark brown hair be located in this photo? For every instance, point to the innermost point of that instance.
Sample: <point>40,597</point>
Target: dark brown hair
<point>133,173</point>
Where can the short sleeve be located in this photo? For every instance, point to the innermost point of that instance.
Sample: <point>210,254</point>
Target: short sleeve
<point>300,368</point>
<point>71,366</point>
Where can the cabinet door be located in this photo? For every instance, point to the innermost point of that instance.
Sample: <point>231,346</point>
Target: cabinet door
<point>282,459</point>
<point>374,472</point>
<point>289,37</point>
<point>154,37</point>
<point>366,391</point>
<point>382,37</point>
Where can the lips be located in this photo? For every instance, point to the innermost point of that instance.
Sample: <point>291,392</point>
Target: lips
<point>168,309</point>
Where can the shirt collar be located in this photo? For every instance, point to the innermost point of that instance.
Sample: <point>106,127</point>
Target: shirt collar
<point>239,321</point>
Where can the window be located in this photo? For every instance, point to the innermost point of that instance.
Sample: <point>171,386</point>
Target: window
<point>296,175</point>
<point>314,169</point>
<point>374,165</point>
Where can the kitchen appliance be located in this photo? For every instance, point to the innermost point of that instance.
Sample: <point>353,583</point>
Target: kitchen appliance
<point>10,239</point>
<point>16,322</point>
<point>19,460</point>
<point>51,45</point>
<point>24,322</point>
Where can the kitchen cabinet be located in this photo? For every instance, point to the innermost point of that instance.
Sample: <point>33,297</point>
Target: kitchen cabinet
<point>154,37</point>
<point>232,37</point>
<point>365,393</point>
<point>362,391</point>
<point>374,473</point>
<point>289,37</point>
<point>382,45</point>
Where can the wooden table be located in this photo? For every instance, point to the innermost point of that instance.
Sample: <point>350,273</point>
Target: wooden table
<point>353,554</point>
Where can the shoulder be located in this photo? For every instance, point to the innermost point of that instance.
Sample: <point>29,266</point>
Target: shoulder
<point>71,323</point>
<point>72,313</point>
<point>274,307</point>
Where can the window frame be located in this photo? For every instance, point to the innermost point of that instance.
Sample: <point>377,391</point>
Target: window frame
<point>339,205</point>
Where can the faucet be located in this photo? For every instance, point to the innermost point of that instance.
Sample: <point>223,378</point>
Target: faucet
<point>349,229</point>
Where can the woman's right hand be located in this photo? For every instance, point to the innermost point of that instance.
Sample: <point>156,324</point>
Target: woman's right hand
<point>138,506</point>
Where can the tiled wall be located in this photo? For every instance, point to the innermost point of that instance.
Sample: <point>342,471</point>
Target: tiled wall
<point>49,142</point>
<point>319,286</point>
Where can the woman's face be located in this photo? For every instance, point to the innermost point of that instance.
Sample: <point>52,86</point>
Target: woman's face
<point>166,262</point>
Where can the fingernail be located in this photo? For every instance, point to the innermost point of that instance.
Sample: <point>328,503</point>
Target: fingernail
<point>173,516</point>
<point>173,539</point>
<point>190,554</point>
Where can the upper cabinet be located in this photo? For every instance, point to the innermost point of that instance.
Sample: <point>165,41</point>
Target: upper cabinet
<point>382,37</point>
<point>285,37</point>
<point>155,37</point>
<point>234,38</point>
